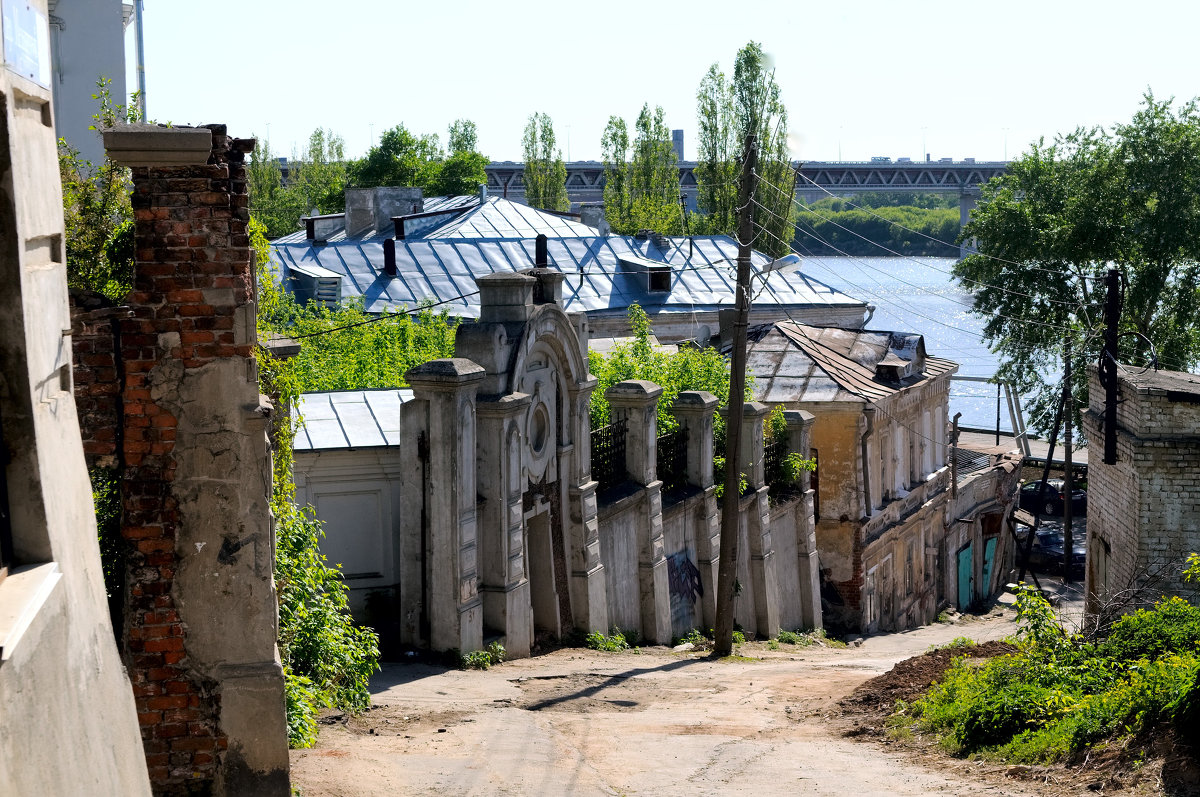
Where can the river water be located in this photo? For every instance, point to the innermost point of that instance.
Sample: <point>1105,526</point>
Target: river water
<point>918,295</point>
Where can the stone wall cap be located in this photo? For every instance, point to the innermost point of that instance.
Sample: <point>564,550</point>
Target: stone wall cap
<point>281,347</point>
<point>634,389</point>
<point>798,417</point>
<point>506,278</point>
<point>509,402</point>
<point>452,370</point>
<point>144,144</point>
<point>756,408</point>
<point>695,400</point>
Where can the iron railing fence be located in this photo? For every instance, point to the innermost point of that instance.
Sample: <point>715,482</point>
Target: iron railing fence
<point>672,460</point>
<point>608,454</point>
<point>774,454</point>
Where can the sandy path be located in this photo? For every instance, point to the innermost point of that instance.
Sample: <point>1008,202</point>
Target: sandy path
<point>578,722</point>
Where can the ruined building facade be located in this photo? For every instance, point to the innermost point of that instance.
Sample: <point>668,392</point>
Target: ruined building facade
<point>168,396</point>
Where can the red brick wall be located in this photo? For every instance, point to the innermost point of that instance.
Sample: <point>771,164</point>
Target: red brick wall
<point>95,332</point>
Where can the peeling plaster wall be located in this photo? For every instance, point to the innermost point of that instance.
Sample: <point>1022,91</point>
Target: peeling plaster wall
<point>67,719</point>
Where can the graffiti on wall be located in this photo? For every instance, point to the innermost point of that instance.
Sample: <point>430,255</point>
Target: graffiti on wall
<point>686,589</point>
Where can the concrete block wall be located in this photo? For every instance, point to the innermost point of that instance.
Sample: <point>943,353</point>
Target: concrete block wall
<point>1144,510</point>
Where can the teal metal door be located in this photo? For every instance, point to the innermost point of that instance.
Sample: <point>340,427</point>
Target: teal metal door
<point>989,554</point>
<point>966,577</point>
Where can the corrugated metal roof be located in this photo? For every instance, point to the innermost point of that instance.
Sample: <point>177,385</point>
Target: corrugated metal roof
<point>349,419</point>
<point>798,362</point>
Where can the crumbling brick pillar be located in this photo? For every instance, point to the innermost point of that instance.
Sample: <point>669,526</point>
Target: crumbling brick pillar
<point>695,410</point>
<point>636,402</point>
<point>201,615</point>
<point>97,368</point>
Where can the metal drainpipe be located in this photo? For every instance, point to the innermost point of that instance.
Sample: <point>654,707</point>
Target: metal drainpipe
<point>869,505</point>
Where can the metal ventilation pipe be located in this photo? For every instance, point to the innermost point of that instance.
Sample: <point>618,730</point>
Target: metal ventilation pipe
<point>483,193</point>
<point>540,257</point>
<point>389,257</point>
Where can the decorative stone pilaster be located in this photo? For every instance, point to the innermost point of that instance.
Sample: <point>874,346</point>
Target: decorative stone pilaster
<point>446,392</point>
<point>503,582</point>
<point>695,410</point>
<point>636,402</point>
<point>589,593</point>
<point>800,425</point>
<point>765,587</point>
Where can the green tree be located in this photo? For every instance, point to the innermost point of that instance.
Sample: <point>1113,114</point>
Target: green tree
<point>316,180</point>
<point>400,158</point>
<point>463,136</point>
<point>545,173</point>
<point>618,204</point>
<point>727,111</point>
<point>97,216</point>
<point>645,191</point>
<point>1061,216</point>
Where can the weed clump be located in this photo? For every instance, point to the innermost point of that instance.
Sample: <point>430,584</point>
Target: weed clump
<point>494,653</point>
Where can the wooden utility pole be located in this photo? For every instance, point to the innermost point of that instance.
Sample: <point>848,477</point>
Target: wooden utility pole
<point>1037,512</point>
<point>731,499</point>
<point>1068,406</point>
<point>1108,363</point>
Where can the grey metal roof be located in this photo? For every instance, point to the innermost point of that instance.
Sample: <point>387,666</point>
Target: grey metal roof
<point>443,271</point>
<point>500,218</point>
<point>349,419</point>
<point>797,362</point>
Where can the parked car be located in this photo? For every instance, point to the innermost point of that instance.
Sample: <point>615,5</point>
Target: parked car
<point>1046,498</point>
<point>1046,553</point>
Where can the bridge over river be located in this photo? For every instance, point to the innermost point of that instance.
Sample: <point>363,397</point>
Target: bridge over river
<point>814,179</point>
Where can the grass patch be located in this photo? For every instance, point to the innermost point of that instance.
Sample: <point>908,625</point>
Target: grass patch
<point>613,642</point>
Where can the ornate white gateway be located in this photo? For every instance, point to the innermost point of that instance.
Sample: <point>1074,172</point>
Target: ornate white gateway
<point>499,520</point>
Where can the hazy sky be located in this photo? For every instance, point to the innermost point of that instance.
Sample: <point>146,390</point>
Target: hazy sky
<point>866,78</point>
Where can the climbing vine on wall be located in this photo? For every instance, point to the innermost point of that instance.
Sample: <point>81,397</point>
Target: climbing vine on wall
<point>327,660</point>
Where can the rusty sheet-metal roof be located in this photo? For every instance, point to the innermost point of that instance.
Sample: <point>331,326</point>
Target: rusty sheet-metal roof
<point>349,419</point>
<point>797,362</point>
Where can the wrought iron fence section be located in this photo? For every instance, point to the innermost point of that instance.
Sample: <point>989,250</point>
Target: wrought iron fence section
<point>774,454</point>
<point>608,454</point>
<point>672,460</point>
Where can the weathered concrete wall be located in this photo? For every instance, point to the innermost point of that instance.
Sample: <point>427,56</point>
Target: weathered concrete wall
<point>358,492</point>
<point>619,552</point>
<point>201,607</point>
<point>67,719</point>
<point>1144,511</point>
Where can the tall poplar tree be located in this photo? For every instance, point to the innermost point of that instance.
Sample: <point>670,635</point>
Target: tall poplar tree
<point>643,193</point>
<point>727,110</point>
<point>545,172</point>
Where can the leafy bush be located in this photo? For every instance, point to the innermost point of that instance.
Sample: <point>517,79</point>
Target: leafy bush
<point>686,369</point>
<point>1172,625</point>
<point>1058,694</point>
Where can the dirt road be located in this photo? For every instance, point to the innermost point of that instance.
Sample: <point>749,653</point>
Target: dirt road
<point>580,722</point>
